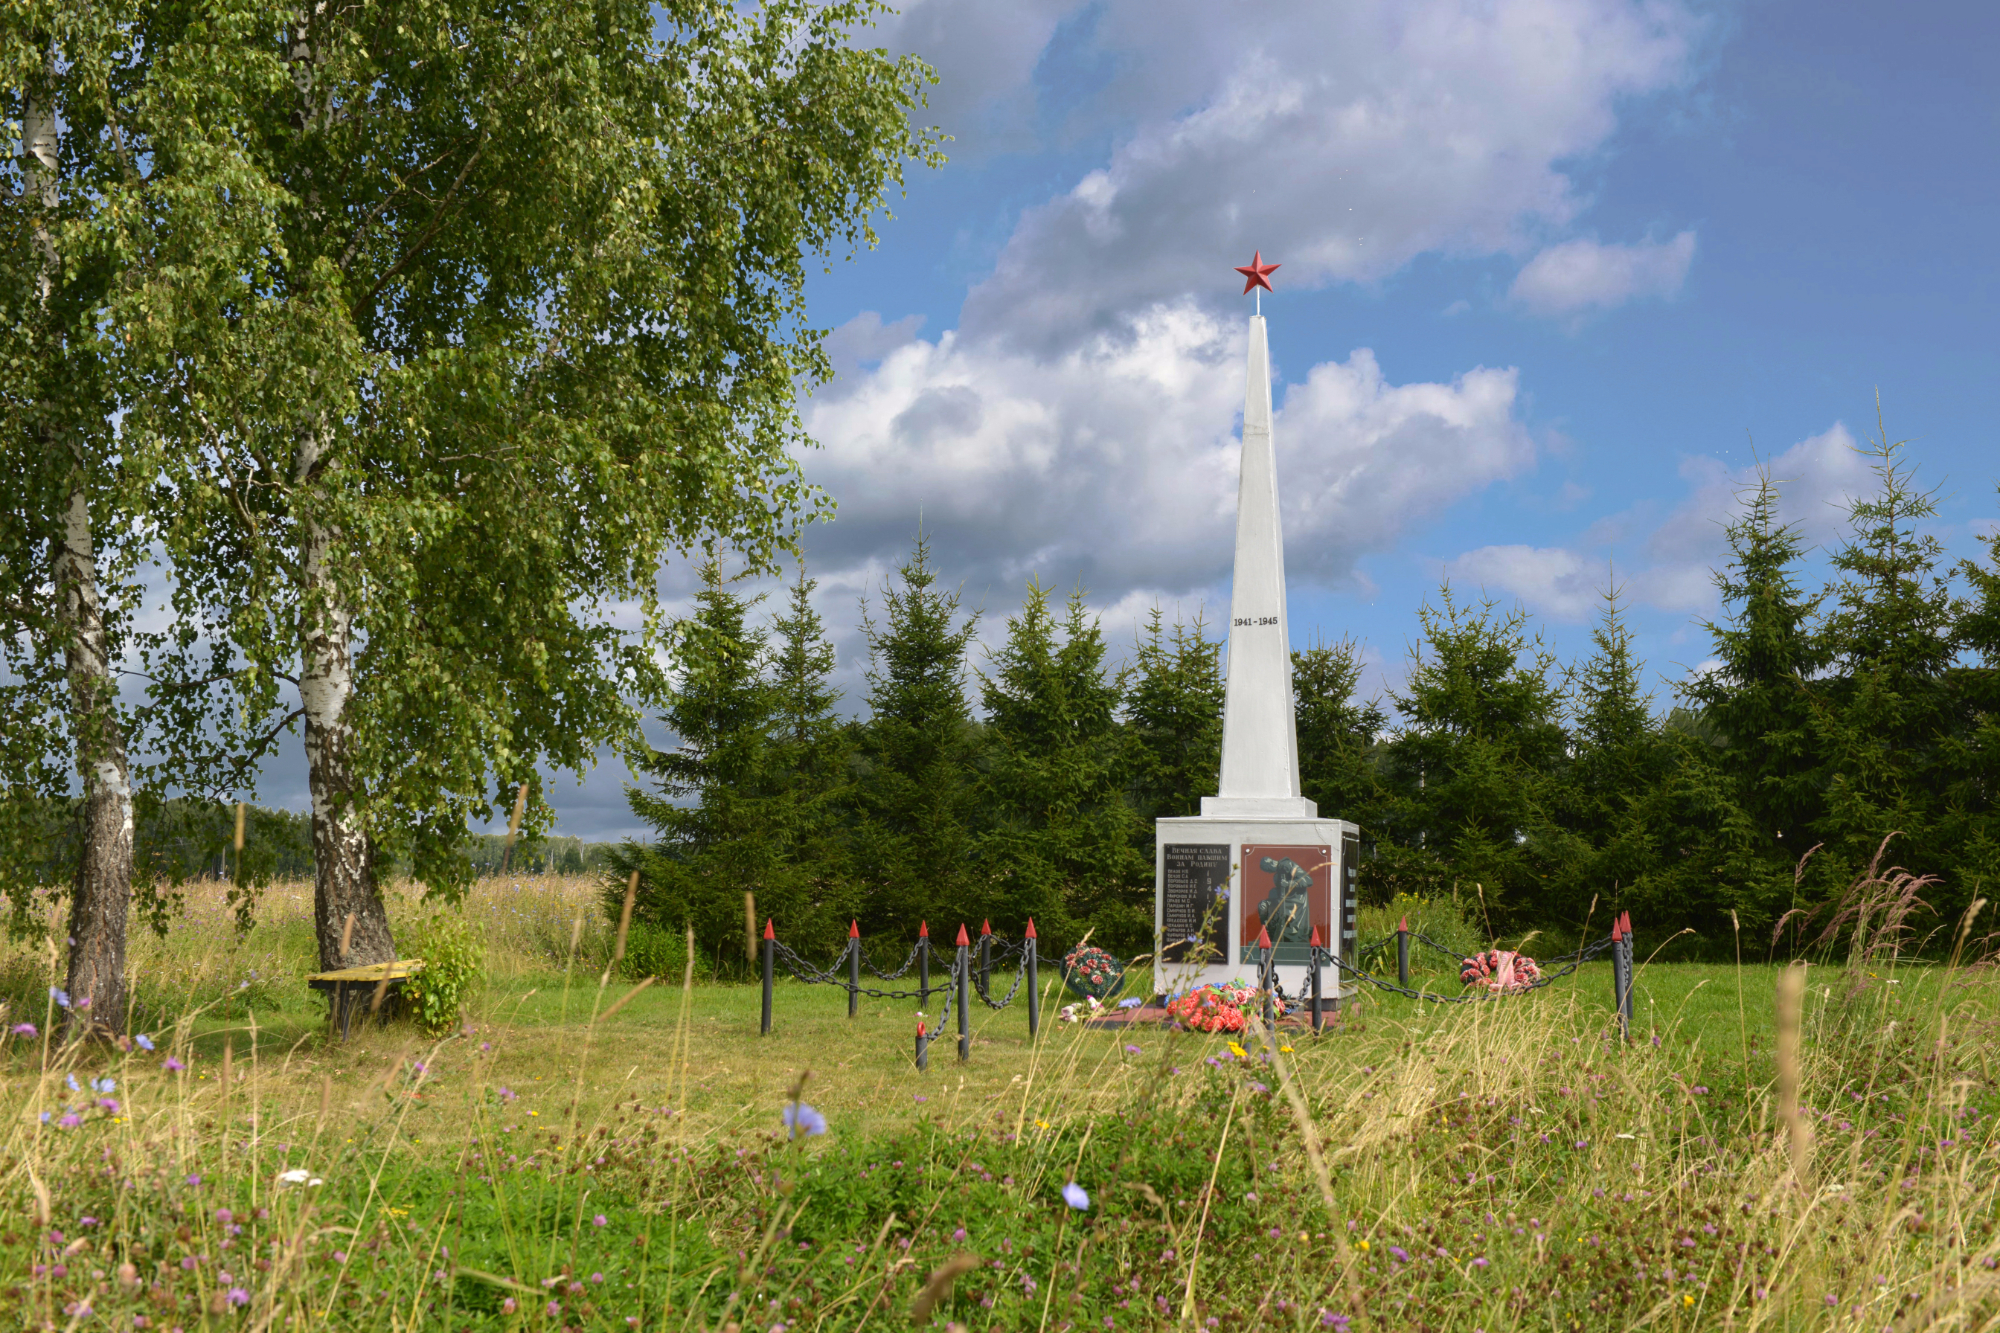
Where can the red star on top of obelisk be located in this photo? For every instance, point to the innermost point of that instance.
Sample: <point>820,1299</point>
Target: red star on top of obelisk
<point>1257,273</point>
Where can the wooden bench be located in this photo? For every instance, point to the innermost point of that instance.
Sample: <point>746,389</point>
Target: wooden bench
<point>346,986</point>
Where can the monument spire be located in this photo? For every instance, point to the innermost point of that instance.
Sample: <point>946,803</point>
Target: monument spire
<point>1260,747</point>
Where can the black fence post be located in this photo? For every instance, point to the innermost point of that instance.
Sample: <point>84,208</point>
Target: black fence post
<point>985,957</point>
<point>1618,972</point>
<point>1625,1013</point>
<point>1318,1018</point>
<point>1267,973</point>
<point>770,959</point>
<point>964,980</point>
<point>853,968</point>
<point>923,1047</point>
<point>1033,983</point>
<point>1403,953</point>
<point>924,965</point>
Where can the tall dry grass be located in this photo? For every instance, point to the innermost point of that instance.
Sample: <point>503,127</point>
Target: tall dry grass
<point>1505,1165</point>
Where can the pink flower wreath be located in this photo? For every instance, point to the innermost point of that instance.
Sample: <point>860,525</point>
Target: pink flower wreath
<point>1500,972</point>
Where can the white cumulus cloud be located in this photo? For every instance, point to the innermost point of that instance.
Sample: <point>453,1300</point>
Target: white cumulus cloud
<point>1114,463</point>
<point>1579,276</point>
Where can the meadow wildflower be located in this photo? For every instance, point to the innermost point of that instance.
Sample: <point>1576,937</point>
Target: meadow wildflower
<point>1074,1195</point>
<point>800,1119</point>
<point>145,1042</point>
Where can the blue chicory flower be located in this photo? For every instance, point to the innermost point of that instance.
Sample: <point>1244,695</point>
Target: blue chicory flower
<point>145,1042</point>
<point>1130,1002</point>
<point>1073,1195</point>
<point>800,1119</point>
<point>59,995</point>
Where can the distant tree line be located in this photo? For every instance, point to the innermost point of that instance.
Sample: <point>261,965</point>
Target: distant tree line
<point>1027,784</point>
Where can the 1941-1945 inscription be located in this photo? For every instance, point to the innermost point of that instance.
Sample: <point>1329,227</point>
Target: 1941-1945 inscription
<point>1194,917</point>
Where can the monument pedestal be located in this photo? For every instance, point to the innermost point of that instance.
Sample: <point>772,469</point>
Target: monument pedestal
<point>1216,877</point>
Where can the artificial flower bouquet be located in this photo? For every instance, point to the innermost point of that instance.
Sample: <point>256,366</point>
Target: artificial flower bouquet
<point>1091,972</point>
<point>1218,1006</point>
<point>1500,972</point>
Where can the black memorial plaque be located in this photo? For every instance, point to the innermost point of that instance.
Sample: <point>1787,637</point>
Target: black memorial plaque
<point>1194,878</point>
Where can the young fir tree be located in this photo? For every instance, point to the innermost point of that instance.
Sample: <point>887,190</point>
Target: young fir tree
<point>1474,762</point>
<point>1618,757</point>
<point>1060,838</point>
<point>1759,703</point>
<point>915,790</point>
<point>716,797</point>
<point>1969,820</point>
<point>811,756</point>
<point>1338,734</point>
<point>1174,718</point>
<point>1886,715</point>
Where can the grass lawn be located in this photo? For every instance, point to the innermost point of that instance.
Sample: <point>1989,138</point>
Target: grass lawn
<point>1506,1164</point>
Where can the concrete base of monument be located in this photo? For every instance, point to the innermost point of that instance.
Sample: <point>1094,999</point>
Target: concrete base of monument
<point>1220,880</point>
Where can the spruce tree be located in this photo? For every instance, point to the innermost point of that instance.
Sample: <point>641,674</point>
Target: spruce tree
<point>1174,716</point>
<point>914,794</point>
<point>1969,800</point>
<point>811,753</point>
<point>1061,838</point>
<point>1886,715</point>
<point>715,799</point>
<point>1474,761</point>
<point>1759,701</point>
<point>1618,757</point>
<point>1338,734</point>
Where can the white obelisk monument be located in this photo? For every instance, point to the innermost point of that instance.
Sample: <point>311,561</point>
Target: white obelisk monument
<point>1258,860</point>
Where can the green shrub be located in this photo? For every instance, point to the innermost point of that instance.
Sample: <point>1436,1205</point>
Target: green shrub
<point>454,966</point>
<point>651,951</point>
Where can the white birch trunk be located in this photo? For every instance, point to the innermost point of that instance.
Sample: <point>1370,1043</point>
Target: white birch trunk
<point>347,905</point>
<point>101,893</point>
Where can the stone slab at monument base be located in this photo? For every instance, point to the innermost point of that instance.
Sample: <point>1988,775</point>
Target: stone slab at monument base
<point>1221,875</point>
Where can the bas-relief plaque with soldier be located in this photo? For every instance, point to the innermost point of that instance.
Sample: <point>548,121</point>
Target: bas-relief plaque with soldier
<point>1287,890</point>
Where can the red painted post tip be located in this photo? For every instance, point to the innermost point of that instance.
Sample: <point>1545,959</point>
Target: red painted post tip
<point>1615,936</point>
<point>986,927</point>
<point>853,930</point>
<point>769,933</point>
<point>1315,941</point>
<point>1625,919</point>
<point>924,929</point>
<point>1403,926</point>
<point>962,939</point>
<point>920,1027</point>
<point>1263,938</point>
<point>1031,928</point>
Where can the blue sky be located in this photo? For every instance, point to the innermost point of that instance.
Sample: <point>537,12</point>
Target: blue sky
<point>1552,268</point>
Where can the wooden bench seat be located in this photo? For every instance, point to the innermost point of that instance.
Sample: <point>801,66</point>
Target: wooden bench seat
<point>346,986</point>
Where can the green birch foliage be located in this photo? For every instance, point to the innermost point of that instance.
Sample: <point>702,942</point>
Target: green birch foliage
<point>1339,735</point>
<point>58,402</point>
<point>1885,713</point>
<point>915,788</point>
<point>508,300</point>
<point>1061,840</point>
<point>1474,761</point>
<point>1173,711</point>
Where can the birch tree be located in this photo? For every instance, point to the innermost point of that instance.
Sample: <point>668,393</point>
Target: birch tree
<point>458,318</point>
<point>64,588</point>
